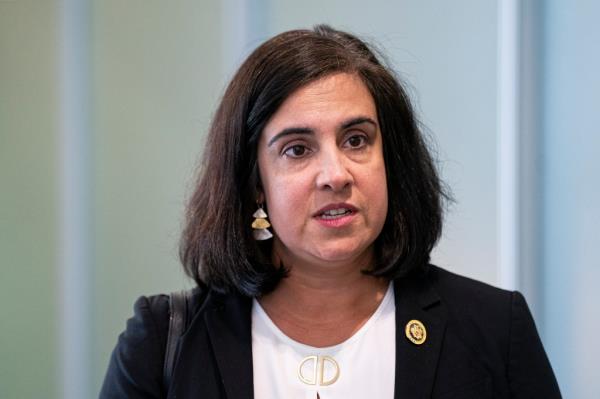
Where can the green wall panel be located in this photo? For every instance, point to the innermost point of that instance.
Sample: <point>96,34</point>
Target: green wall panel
<point>28,201</point>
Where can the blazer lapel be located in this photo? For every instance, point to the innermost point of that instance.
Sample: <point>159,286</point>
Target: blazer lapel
<point>228,322</point>
<point>416,364</point>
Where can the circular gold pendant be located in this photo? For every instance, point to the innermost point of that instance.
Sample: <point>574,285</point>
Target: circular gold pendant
<point>416,332</point>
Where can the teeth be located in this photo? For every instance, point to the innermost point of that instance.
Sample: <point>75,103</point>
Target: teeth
<point>335,212</point>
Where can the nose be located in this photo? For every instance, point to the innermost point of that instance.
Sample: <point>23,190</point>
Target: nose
<point>334,173</point>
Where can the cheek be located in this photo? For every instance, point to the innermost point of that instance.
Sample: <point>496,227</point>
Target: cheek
<point>286,202</point>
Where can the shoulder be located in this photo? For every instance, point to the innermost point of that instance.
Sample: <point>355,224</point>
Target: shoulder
<point>476,311</point>
<point>463,288</point>
<point>136,364</point>
<point>150,320</point>
<point>494,326</point>
<point>498,310</point>
<point>470,296</point>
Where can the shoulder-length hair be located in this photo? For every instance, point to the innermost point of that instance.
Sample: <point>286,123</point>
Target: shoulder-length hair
<point>217,247</point>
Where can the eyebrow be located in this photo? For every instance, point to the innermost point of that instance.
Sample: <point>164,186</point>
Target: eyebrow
<point>358,121</point>
<point>288,131</point>
<point>306,130</point>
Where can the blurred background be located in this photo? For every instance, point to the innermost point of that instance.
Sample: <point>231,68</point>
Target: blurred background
<point>104,106</point>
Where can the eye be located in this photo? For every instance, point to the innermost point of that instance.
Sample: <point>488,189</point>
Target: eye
<point>356,141</point>
<point>296,151</point>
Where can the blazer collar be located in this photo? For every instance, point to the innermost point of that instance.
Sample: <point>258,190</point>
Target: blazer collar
<point>228,321</point>
<point>416,365</point>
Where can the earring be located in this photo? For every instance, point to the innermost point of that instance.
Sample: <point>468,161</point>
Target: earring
<point>260,225</point>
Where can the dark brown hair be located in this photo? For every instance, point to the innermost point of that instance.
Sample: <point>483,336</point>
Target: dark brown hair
<point>217,247</point>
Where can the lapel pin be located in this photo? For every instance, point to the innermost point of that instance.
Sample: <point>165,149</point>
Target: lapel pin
<point>416,332</point>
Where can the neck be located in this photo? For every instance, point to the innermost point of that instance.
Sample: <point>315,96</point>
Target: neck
<point>322,297</point>
<point>324,304</point>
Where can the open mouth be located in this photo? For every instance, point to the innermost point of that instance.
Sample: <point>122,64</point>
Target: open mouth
<point>335,213</point>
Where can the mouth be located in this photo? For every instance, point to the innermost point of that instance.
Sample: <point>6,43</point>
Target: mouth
<point>335,211</point>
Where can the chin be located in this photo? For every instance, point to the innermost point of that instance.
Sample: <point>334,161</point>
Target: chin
<point>342,253</point>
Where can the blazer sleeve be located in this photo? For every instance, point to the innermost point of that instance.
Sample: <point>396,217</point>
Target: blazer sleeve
<point>136,364</point>
<point>529,371</point>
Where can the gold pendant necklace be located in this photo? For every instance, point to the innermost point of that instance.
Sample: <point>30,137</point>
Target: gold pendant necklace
<point>311,370</point>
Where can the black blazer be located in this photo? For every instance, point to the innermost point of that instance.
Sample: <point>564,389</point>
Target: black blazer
<point>481,343</point>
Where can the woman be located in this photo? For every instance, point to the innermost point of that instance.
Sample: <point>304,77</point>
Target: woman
<point>309,236</point>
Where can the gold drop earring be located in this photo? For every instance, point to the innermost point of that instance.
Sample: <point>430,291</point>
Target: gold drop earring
<point>260,225</point>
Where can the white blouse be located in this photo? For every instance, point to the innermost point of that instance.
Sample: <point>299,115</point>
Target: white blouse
<point>363,366</point>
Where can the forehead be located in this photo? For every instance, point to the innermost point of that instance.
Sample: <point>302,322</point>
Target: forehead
<point>326,101</point>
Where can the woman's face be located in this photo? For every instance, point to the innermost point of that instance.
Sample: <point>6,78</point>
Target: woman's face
<point>321,165</point>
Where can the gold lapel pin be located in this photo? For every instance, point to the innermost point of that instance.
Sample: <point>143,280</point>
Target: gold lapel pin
<point>416,332</point>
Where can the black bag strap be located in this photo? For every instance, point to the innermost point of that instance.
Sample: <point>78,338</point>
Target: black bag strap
<point>178,307</point>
